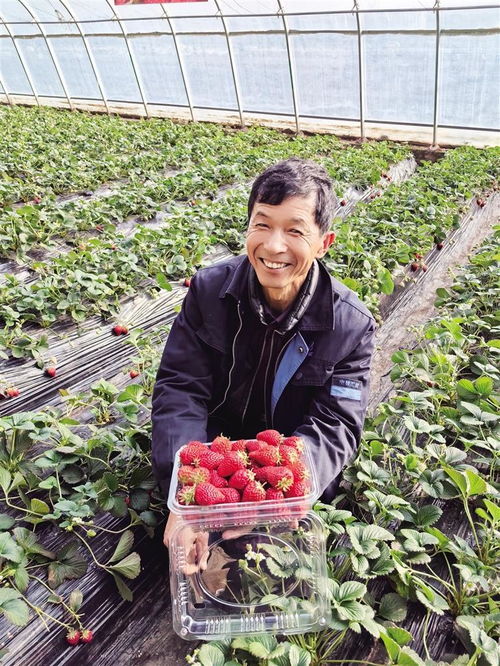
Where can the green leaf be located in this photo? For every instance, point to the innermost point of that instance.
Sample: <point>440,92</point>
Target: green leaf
<point>400,635</point>
<point>123,589</point>
<point>9,550</point>
<point>162,281</point>
<point>39,506</point>
<point>427,515</point>
<point>21,578</point>
<point>6,521</point>
<point>391,646</point>
<point>16,611</point>
<point>209,655</point>
<point>130,566</point>
<point>69,565</point>
<point>261,646</point>
<point>29,543</point>
<point>484,386</point>
<point>459,479</point>
<point>5,479</point>
<point>409,657</point>
<point>385,281</point>
<point>298,656</point>
<point>477,485</point>
<point>351,590</point>
<point>392,607</point>
<point>75,600</point>
<point>123,547</point>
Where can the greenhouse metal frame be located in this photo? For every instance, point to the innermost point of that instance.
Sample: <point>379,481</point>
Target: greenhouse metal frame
<point>360,124</point>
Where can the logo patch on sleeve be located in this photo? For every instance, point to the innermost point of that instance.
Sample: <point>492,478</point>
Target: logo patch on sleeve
<point>346,388</point>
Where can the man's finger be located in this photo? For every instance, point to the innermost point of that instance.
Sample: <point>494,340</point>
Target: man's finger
<point>202,551</point>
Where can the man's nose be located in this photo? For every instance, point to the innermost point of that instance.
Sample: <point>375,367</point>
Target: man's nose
<point>276,242</point>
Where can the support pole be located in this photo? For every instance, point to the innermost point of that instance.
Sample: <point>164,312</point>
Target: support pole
<point>24,64</point>
<point>89,55</point>
<point>436,77</point>
<point>291,68</point>
<point>52,55</point>
<point>361,74</point>
<point>231,61</point>
<point>179,58</point>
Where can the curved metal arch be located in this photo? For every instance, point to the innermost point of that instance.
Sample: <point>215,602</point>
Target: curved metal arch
<point>293,81</point>
<point>179,57</point>
<point>436,75</point>
<point>132,59</point>
<point>52,55</point>
<point>22,61</point>
<point>5,92</point>
<point>231,61</point>
<point>361,72</point>
<point>89,55</point>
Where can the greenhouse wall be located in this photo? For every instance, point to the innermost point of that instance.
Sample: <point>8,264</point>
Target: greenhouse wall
<point>425,72</point>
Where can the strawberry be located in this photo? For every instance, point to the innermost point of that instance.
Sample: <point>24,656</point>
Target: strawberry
<point>295,441</point>
<point>232,462</point>
<point>298,489</point>
<point>289,455</point>
<point>127,500</point>
<point>253,445</point>
<point>211,459</point>
<point>50,371</point>
<point>185,496</point>
<point>259,473</point>
<point>134,373</point>
<point>266,455</point>
<point>187,282</point>
<point>217,480</point>
<point>343,202</point>
<point>273,494</point>
<point>190,476</point>
<point>191,453</point>
<point>221,444</point>
<point>439,246</point>
<point>254,492</point>
<point>271,437</point>
<point>299,471</point>
<point>231,495</point>
<point>206,494</point>
<point>37,200</point>
<point>241,478</point>
<point>280,478</point>
<point>73,637</point>
<point>424,267</point>
<point>119,330</point>
<point>414,266</point>
<point>239,445</point>
<point>12,392</point>
<point>86,636</point>
<point>418,255</point>
<point>481,203</point>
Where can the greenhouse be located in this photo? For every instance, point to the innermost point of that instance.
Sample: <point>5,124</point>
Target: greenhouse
<point>300,203</point>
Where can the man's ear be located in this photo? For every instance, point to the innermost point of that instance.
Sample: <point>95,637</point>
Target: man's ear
<point>327,240</point>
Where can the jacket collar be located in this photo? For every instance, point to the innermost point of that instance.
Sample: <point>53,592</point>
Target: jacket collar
<point>319,316</point>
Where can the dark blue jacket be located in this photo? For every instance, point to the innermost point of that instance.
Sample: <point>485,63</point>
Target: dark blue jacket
<point>320,388</point>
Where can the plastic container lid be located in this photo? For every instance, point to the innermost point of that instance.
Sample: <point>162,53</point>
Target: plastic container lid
<point>269,579</point>
<point>242,513</point>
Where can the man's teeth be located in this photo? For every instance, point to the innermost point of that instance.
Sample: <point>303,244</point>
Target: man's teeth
<point>272,264</point>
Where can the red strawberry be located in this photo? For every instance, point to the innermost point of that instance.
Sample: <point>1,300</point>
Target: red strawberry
<point>232,462</point>
<point>266,455</point>
<point>231,495</point>
<point>299,471</point>
<point>254,492</point>
<point>189,475</point>
<point>271,437</point>
<point>343,202</point>
<point>12,392</point>
<point>211,459</point>
<point>241,478</point>
<point>50,371</point>
<point>273,494</point>
<point>185,496</point>
<point>280,478</point>
<point>424,267</point>
<point>187,282</point>
<point>481,203</point>
<point>127,500</point>
<point>206,494</point>
<point>191,453</point>
<point>253,445</point>
<point>73,637</point>
<point>289,455</point>
<point>414,266</point>
<point>418,255</point>
<point>134,373</point>
<point>439,246</point>
<point>298,489</point>
<point>118,330</point>
<point>239,445</point>
<point>259,473</point>
<point>217,480</point>
<point>221,444</point>
<point>87,636</point>
<point>295,441</point>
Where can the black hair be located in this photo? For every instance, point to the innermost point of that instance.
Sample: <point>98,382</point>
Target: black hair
<point>296,177</point>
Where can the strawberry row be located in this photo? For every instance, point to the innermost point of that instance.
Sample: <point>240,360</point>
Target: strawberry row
<point>27,227</point>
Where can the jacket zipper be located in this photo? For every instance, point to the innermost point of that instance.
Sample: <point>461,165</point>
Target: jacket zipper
<point>233,362</point>
<point>254,376</point>
<point>265,376</point>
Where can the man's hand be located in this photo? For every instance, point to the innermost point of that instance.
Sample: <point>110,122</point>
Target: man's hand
<point>195,545</point>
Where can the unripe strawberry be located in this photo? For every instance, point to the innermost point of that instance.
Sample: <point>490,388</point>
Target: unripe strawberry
<point>185,496</point>
<point>189,475</point>
<point>73,637</point>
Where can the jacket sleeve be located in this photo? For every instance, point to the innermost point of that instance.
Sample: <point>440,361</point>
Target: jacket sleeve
<point>182,390</point>
<point>333,425</point>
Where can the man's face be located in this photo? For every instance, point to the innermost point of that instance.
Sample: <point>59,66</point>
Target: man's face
<point>282,243</point>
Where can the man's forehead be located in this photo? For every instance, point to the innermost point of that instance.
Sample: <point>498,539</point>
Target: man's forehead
<point>300,210</point>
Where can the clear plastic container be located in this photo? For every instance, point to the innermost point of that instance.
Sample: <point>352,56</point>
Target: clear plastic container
<point>242,513</point>
<point>271,578</point>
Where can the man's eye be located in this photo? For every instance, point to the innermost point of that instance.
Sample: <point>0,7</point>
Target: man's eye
<point>296,232</point>
<point>261,225</point>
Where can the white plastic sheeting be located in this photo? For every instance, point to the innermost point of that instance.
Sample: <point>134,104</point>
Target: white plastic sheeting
<point>378,62</point>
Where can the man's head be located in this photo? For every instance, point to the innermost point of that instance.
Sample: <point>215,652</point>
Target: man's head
<point>290,209</point>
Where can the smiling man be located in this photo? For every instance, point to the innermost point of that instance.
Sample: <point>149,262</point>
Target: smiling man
<point>269,339</point>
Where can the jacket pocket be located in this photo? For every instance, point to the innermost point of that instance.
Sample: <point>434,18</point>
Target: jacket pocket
<point>218,342</point>
<point>313,372</point>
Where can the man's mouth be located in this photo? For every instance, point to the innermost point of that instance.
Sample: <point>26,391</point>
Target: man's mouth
<point>274,264</point>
